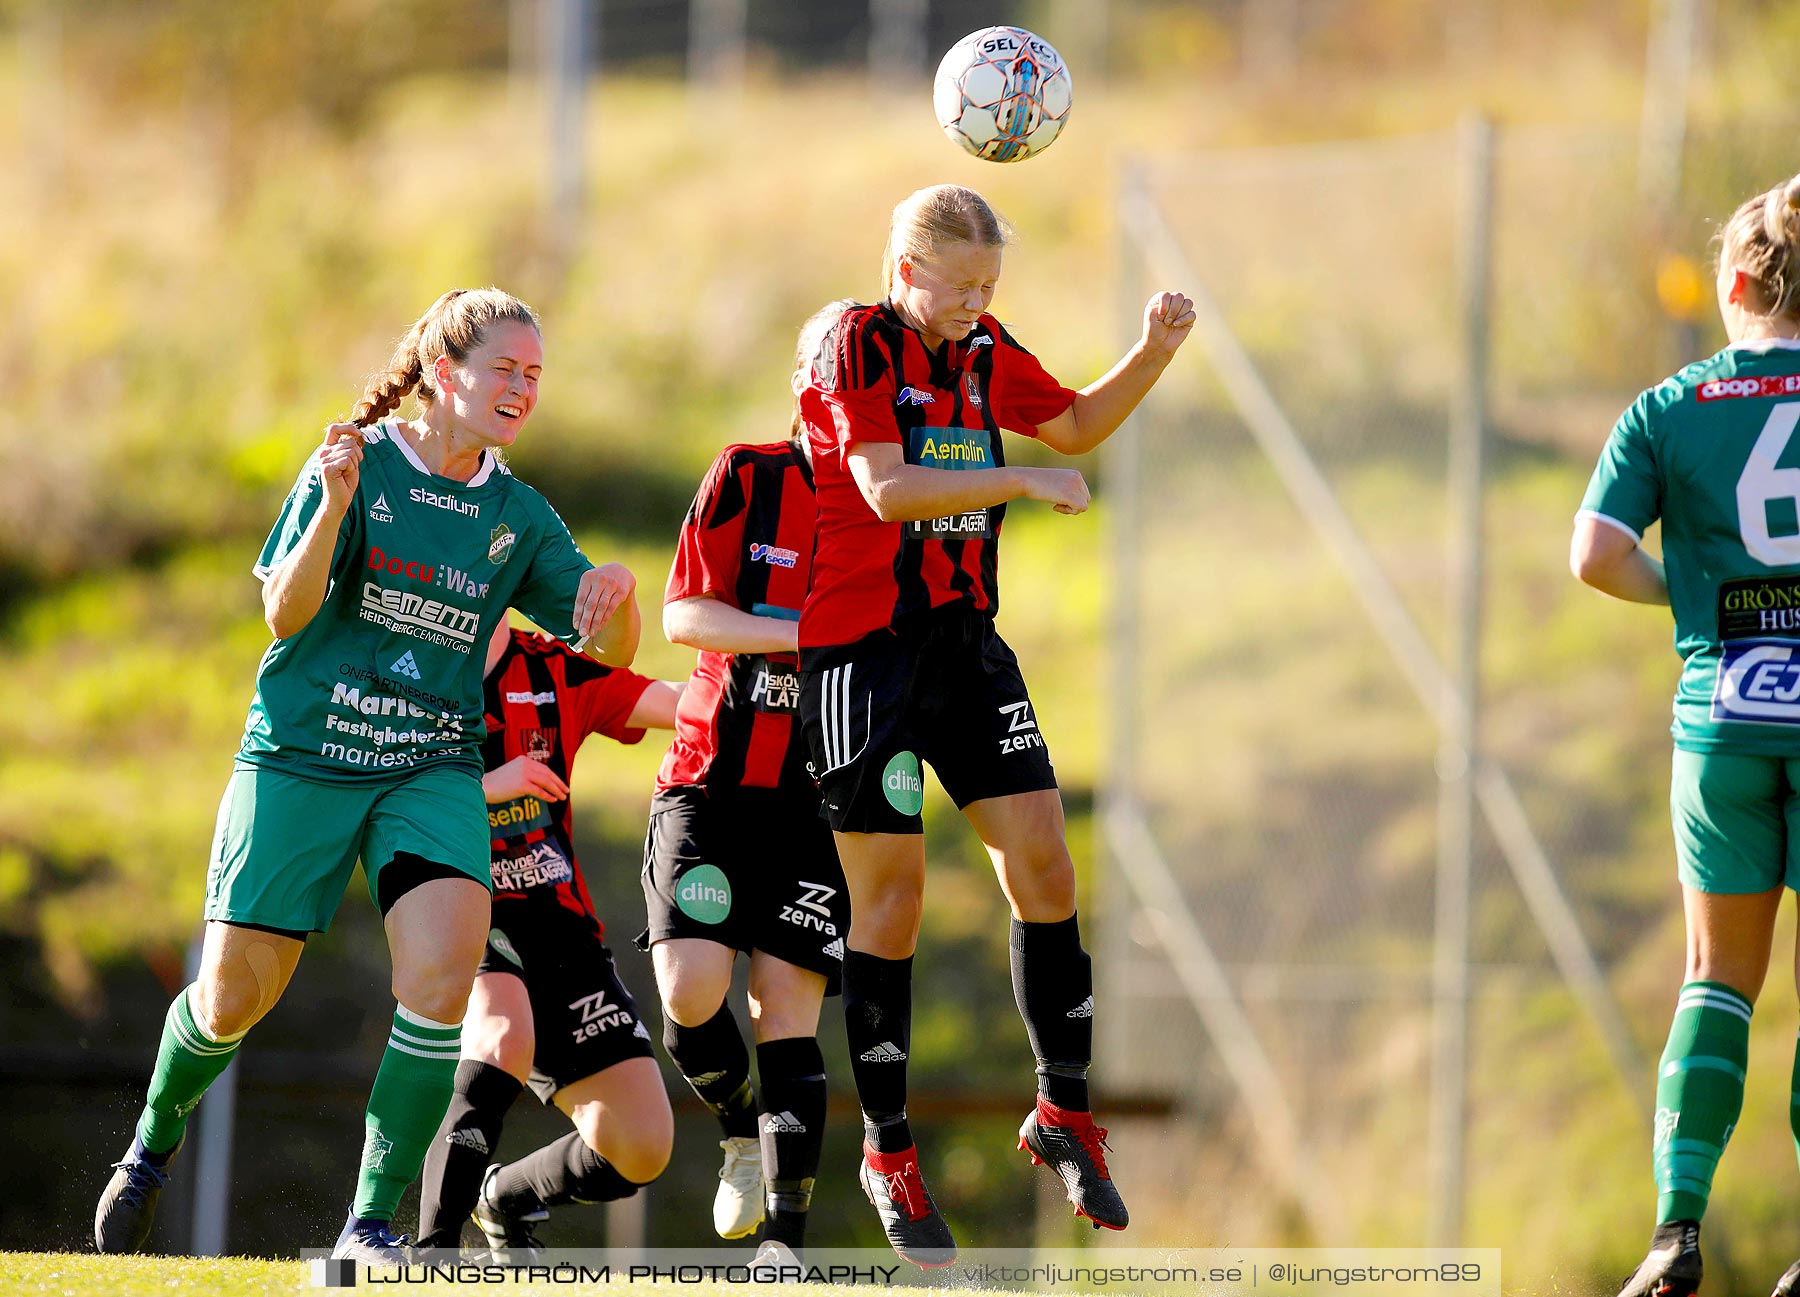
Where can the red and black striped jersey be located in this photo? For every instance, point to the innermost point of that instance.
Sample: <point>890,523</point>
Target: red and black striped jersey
<point>874,380</point>
<point>747,541</point>
<point>542,699</point>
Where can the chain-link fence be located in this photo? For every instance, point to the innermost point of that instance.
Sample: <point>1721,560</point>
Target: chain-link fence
<point>1384,945</point>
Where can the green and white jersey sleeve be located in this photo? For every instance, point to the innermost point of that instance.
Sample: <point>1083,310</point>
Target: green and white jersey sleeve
<point>387,675</point>
<point>1711,452</point>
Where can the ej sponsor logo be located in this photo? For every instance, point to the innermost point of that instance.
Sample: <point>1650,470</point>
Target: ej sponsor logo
<point>1758,683</point>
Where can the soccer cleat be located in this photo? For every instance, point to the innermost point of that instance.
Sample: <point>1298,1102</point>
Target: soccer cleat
<point>738,1205</point>
<point>1672,1269</point>
<point>774,1259</point>
<point>1789,1283</point>
<point>1070,1144</point>
<point>510,1238</point>
<point>370,1242</point>
<point>892,1184</point>
<point>128,1203</point>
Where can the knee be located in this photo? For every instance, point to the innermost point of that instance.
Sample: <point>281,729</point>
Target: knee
<point>229,1004</point>
<point>886,921</point>
<point>692,1001</point>
<point>437,990</point>
<point>500,1042</point>
<point>638,1150</point>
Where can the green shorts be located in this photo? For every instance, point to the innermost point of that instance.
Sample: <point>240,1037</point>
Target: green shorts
<point>285,846</point>
<point>1737,821</point>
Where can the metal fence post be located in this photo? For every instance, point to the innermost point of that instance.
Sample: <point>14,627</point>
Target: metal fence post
<point>1459,738</point>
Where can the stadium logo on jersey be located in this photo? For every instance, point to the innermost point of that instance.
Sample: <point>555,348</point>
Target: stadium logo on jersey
<point>972,389</point>
<point>536,700</point>
<point>810,910</point>
<point>886,1052</point>
<point>783,1123</point>
<point>704,894</point>
<point>419,495</point>
<point>598,1016</point>
<point>389,563</point>
<point>500,544</point>
<point>405,666</point>
<point>379,512</point>
<point>760,553</point>
<point>1758,683</point>
<point>1731,389</point>
<point>913,396</point>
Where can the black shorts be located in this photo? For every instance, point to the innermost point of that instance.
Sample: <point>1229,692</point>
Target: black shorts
<point>583,1018</point>
<point>749,868</point>
<point>950,695</point>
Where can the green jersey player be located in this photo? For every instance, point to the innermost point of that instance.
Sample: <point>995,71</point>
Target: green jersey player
<point>397,553</point>
<point>1711,453</point>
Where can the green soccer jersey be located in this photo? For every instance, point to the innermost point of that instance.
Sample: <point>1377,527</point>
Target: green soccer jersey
<point>388,673</point>
<point>1711,451</point>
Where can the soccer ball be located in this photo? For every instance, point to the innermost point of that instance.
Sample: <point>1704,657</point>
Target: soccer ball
<point>1002,93</point>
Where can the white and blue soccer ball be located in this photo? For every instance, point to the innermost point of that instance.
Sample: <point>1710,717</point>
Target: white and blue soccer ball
<point>1002,93</point>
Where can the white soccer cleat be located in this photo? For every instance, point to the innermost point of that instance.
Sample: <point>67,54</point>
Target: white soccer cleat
<point>738,1206</point>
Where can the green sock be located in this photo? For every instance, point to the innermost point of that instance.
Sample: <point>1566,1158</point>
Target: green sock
<point>187,1061</point>
<point>1699,1093</point>
<point>411,1094</point>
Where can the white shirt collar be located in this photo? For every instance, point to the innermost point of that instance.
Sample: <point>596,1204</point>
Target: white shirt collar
<point>412,457</point>
<point>1767,344</point>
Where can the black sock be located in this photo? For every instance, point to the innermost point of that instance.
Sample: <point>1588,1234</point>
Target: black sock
<point>459,1156</point>
<point>878,1023</point>
<point>1053,982</point>
<point>792,1073</point>
<point>565,1171</point>
<point>716,1064</point>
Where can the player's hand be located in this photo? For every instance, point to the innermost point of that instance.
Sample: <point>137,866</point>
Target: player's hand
<point>523,777</point>
<point>1168,319</point>
<point>340,464</point>
<point>1063,488</point>
<point>603,591</point>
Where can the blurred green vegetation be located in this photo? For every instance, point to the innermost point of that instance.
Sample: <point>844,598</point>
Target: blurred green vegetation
<point>214,220</point>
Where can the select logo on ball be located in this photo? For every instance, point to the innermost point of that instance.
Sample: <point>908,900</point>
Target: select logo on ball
<point>704,894</point>
<point>904,784</point>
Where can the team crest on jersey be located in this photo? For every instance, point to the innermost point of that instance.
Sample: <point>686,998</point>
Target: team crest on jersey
<point>913,396</point>
<point>972,389</point>
<point>500,544</point>
<point>379,511</point>
<point>540,743</point>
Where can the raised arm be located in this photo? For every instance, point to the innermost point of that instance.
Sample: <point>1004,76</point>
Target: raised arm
<point>1609,558</point>
<point>295,590</point>
<point>1103,405</point>
<point>655,708</point>
<point>902,492</point>
<point>707,622</point>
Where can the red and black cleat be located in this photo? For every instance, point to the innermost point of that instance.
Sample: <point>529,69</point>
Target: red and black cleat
<point>1070,1144</point>
<point>892,1183</point>
<point>1672,1268</point>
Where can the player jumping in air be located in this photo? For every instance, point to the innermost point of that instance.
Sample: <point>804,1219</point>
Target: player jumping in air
<point>1704,451</point>
<point>737,857</point>
<point>548,1010</point>
<point>902,665</point>
<point>399,549</point>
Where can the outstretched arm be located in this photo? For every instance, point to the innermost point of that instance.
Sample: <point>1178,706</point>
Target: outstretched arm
<point>1102,406</point>
<point>902,492</point>
<point>706,622</point>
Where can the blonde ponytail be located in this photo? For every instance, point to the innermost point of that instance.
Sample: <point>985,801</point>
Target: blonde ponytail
<point>454,326</point>
<point>1762,239</point>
